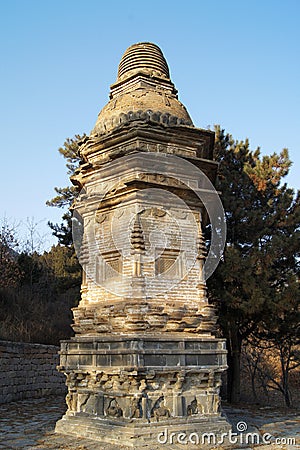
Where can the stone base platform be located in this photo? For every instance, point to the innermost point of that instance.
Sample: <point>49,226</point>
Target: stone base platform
<point>134,389</point>
<point>148,435</point>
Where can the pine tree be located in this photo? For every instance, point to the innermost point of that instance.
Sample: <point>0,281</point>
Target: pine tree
<point>66,195</point>
<point>71,272</point>
<point>280,326</point>
<point>257,210</point>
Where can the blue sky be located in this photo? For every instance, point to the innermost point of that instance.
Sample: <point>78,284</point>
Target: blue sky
<point>235,63</point>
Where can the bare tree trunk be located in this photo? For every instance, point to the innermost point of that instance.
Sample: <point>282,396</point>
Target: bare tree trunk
<point>252,362</point>
<point>234,367</point>
<point>285,377</point>
<point>253,376</point>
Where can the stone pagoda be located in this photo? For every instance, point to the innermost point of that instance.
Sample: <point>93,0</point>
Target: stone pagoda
<point>144,358</point>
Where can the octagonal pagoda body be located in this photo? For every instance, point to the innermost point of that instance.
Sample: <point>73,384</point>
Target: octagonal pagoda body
<point>144,356</point>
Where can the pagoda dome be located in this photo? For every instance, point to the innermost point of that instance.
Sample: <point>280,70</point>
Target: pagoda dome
<point>143,57</point>
<point>143,92</point>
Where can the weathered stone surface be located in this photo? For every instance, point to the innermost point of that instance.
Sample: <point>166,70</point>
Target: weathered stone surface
<point>28,371</point>
<point>143,92</point>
